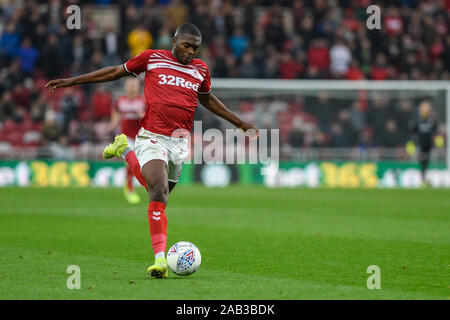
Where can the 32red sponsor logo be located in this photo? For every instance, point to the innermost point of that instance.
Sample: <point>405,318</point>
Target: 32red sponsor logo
<point>177,81</point>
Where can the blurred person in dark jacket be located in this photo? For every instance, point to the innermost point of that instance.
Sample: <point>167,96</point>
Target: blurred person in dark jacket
<point>423,130</point>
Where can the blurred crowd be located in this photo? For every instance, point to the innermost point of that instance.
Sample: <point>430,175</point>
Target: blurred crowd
<point>316,39</point>
<point>374,123</point>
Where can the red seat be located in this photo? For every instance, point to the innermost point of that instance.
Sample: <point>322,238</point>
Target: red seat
<point>9,126</point>
<point>15,138</point>
<point>3,136</point>
<point>27,125</point>
<point>31,138</point>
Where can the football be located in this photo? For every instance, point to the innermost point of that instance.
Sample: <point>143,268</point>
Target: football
<point>184,258</point>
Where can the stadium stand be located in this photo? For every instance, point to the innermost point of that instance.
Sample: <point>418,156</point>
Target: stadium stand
<point>241,39</point>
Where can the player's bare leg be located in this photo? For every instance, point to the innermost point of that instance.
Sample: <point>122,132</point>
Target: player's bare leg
<point>156,173</point>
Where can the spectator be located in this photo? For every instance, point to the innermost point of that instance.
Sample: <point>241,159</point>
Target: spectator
<point>348,129</point>
<point>139,39</point>
<point>327,26</point>
<point>365,140</point>
<point>38,108</point>
<point>428,30</point>
<point>296,139</point>
<point>110,47</point>
<point>393,22</point>
<point>390,137</point>
<point>238,43</point>
<point>28,56</point>
<point>248,68</point>
<point>7,105</point>
<point>9,43</point>
<point>264,115</point>
<point>81,51</point>
<point>177,12</point>
<point>378,113</point>
<point>357,116</point>
<point>380,70</point>
<point>319,140</point>
<point>340,57</point>
<point>164,39</point>
<point>101,101</point>
<point>318,55</point>
<point>61,150</point>
<point>290,68</point>
<point>220,68</point>
<point>323,108</point>
<point>21,95</point>
<point>51,130</point>
<point>339,138</point>
<point>52,57</point>
<point>69,105</point>
<point>102,130</point>
<point>403,114</point>
<point>271,68</point>
<point>274,30</point>
<point>354,71</point>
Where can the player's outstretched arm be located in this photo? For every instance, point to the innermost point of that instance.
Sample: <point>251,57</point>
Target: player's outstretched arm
<point>101,75</point>
<point>213,104</point>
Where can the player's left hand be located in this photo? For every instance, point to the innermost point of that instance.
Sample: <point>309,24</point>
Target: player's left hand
<point>250,128</point>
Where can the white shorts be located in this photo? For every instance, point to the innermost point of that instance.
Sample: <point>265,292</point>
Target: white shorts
<point>130,142</point>
<point>150,146</point>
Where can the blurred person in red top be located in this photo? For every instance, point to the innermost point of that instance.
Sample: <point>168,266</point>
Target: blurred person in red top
<point>102,101</point>
<point>128,111</point>
<point>380,70</point>
<point>290,68</point>
<point>318,55</point>
<point>393,22</point>
<point>354,71</point>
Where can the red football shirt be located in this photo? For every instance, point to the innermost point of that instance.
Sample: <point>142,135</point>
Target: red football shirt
<point>130,114</point>
<point>171,89</point>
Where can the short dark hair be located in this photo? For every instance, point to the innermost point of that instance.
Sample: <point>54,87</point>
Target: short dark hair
<point>188,28</point>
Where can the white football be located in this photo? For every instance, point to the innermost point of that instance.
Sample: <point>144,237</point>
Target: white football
<point>184,258</point>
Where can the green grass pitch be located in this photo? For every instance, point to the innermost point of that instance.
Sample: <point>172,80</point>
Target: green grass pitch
<point>256,243</point>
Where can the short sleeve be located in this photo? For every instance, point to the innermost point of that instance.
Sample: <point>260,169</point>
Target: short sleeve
<point>205,87</point>
<point>138,64</point>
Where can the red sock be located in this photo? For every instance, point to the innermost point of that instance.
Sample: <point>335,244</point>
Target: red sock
<point>129,179</point>
<point>134,167</point>
<point>158,226</point>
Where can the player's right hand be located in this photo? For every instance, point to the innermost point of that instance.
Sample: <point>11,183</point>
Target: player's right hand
<point>251,128</point>
<point>53,84</point>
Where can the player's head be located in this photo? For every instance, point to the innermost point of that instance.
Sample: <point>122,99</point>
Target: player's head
<point>425,108</point>
<point>132,87</point>
<point>186,42</point>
